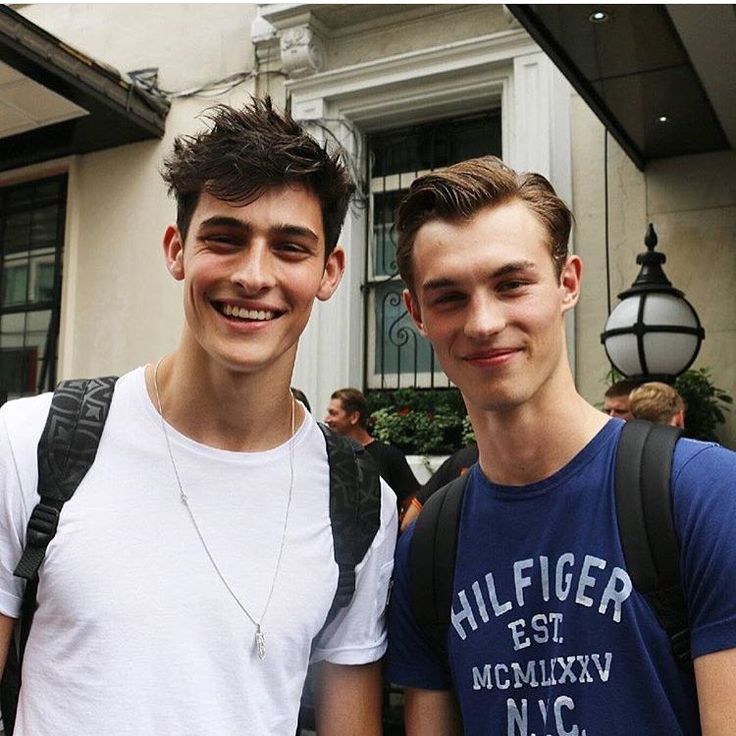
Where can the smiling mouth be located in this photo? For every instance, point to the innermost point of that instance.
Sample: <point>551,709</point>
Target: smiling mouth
<point>247,315</point>
<point>490,357</point>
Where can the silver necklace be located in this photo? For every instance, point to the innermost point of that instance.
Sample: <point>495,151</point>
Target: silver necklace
<point>260,639</point>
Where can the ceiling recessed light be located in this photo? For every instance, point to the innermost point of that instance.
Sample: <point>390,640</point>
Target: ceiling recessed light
<point>663,119</point>
<point>599,16</point>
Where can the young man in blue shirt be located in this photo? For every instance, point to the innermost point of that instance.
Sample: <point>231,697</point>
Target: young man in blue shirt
<point>547,634</point>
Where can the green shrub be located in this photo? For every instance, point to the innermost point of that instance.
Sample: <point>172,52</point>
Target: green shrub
<point>419,422</point>
<point>706,404</point>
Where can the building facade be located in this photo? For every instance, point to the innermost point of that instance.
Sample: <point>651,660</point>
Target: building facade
<point>403,89</point>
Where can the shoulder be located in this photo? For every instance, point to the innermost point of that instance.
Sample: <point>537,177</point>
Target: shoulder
<point>702,464</point>
<point>22,421</point>
<point>385,451</point>
<point>703,485</point>
<point>378,446</point>
<point>704,498</point>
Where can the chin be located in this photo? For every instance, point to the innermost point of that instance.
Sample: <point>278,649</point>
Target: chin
<point>496,401</point>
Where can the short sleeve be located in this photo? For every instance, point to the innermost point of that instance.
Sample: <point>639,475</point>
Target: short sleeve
<point>704,487</point>
<point>411,661</point>
<point>358,633</point>
<point>18,438</point>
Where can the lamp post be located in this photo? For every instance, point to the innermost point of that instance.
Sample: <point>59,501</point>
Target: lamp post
<point>654,333</point>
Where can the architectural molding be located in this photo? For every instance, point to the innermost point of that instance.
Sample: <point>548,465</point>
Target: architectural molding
<point>459,58</point>
<point>302,51</point>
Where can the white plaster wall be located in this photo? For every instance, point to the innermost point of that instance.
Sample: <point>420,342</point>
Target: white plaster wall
<point>445,24</point>
<point>625,228</point>
<point>691,201</point>
<point>120,307</point>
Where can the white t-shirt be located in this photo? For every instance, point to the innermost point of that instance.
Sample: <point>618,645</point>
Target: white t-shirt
<point>135,633</point>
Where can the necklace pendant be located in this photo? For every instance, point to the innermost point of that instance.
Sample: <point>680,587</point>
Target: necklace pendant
<point>260,642</point>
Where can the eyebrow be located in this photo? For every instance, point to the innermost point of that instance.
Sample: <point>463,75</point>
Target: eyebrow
<point>505,270</point>
<point>283,229</point>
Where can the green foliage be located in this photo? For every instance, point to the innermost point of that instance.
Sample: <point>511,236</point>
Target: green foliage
<point>706,404</point>
<point>419,422</point>
<point>468,433</point>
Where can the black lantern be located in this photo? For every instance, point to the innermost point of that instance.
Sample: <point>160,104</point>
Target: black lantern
<point>654,334</point>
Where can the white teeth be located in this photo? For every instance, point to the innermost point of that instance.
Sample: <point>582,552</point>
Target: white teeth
<point>243,313</point>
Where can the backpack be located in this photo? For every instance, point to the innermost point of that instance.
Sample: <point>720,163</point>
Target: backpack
<point>66,451</point>
<point>644,510</point>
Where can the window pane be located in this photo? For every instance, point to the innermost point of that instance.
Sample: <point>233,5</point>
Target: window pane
<point>17,234</point>
<point>17,372</point>
<point>399,348</point>
<point>436,145</point>
<point>35,193</point>
<point>384,244</point>
<point>43,227</point>
<point>12,330</point>
<point>43,286</point>
<point>31,232</point>
<point>14,285</point>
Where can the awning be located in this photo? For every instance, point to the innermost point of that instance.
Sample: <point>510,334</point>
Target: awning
<point>661,78</point>
<point>56,101</point>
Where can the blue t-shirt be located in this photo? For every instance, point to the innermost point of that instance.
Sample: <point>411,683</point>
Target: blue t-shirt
<point>548,637</point>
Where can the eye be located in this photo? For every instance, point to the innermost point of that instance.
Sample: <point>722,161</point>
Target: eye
<point>449,297</point>
<point>218,240</point>
<point>512,285</point>
<point>292,248</point>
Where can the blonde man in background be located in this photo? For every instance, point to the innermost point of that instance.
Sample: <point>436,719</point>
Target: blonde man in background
<point>659,403</point>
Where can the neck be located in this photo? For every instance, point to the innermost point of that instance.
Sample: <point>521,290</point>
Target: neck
<point>361,435</point>
<point>222,408</point>
<point>528,443</point>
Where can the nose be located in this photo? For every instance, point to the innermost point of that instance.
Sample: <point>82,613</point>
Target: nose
<point>254,269</point>
<point>485,317</point>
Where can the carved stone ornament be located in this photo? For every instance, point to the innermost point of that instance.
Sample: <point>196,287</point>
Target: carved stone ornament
<point>302,52</point>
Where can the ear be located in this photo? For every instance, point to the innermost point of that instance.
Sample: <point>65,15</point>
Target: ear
<point>570,282</point>
<point>354,418</point>
<point>174,252</point>
<point>412,306</point>
<point>332,275</point>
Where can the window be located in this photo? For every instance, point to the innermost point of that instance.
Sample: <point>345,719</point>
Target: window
<point>31,244</point>
<point>397,356</point>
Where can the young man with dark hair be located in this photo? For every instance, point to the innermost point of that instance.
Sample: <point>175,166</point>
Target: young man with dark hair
<point>347,414</point>
<point>187,586</point>
<point>616,399</point>
<point>547,634</point>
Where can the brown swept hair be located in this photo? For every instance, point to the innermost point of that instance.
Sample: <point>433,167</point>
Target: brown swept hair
<point>458,193</point>
<point>246,151</point>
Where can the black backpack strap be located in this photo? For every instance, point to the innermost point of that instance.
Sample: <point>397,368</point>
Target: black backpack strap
<point>355,510</point>
<point>66,451</point>
<point>645,517</point>
<point>432,564</point>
